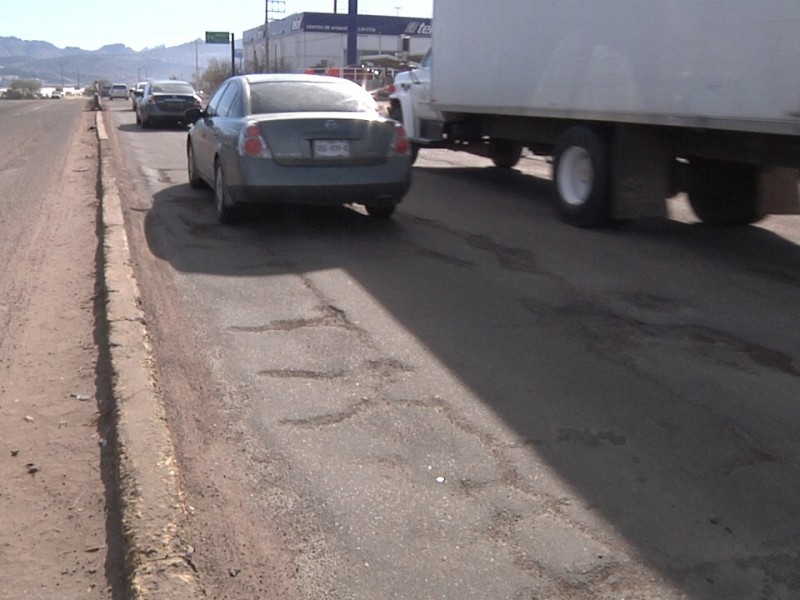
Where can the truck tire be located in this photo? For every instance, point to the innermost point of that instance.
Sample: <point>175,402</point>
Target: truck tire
<point>723,193</point>
<point>581,177</point>
<point>505,154</point>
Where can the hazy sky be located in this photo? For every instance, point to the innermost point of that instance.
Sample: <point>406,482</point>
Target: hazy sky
<point>90,24</point>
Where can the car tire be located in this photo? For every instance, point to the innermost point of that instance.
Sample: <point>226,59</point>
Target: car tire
<point>195,182</point>
<point>381,210</point>
<point>222,201</point>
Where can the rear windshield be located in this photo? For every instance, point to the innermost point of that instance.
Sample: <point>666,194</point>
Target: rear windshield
<point>120,87</point>
<point>307,96</point>
<point>172,87</point>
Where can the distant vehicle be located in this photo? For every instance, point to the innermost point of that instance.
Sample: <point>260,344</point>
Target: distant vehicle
<point>166,101</point>
<point>105,91</point>
<point>297,139</point>
<point>136,92</point>
<point>55,96</point>
<point>118,90</point>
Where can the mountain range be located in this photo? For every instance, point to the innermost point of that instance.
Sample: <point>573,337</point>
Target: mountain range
<point>115,63</point>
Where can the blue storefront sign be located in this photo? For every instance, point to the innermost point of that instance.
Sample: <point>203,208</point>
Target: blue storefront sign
<point>366,24</point>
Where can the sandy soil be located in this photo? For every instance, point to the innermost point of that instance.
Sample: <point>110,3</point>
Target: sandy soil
<point>59,538</point>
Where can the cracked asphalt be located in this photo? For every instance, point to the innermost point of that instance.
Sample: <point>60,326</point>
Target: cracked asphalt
<point>474,400</point>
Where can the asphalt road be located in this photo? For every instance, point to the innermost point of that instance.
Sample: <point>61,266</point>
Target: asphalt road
<point>474,400</point>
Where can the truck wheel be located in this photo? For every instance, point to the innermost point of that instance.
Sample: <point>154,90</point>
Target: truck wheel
<point>581,177</point>
<point>505,154</point>
<point>723,193</point>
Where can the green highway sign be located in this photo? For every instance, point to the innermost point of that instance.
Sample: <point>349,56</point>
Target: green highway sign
<point>218,37</point>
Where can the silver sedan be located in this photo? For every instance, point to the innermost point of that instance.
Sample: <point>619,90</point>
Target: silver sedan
<point>297,139</point>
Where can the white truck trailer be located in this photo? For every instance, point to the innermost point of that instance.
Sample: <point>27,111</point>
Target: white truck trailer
<point>634,100</point>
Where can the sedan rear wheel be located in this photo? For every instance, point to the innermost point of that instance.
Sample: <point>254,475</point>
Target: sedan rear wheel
<point>195,182</point>
<point>381,210</point>
<point>222,201</point>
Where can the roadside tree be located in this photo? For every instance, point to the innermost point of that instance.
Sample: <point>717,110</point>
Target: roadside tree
<point>216,72</point>
<point>22,89</point>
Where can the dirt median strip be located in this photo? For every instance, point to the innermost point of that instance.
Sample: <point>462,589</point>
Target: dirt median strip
<point>157,556</point>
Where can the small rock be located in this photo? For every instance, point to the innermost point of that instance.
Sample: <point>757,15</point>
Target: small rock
<point>28,419</point>
<point>234,572</point>
<point>32,468</point>
<point>15,452</point>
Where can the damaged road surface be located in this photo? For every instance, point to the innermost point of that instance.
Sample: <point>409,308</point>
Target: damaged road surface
<point>472,400</point>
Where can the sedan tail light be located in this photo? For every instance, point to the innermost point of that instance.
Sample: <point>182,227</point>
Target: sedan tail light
<point>252,143</point>
<point>400,144</point>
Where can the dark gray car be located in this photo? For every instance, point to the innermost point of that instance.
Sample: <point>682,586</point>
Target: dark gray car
<point>297,139</point>
<point>166,102</point>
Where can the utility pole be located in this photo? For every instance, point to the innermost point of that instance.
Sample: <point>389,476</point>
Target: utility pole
<point>352,32</point>
<point>273,7</point>
<point>266,38</point>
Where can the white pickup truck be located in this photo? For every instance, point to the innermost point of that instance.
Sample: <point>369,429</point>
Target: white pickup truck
<point>632,103</point>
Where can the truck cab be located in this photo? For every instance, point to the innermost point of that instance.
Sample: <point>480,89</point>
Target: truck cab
<point>410,103</point>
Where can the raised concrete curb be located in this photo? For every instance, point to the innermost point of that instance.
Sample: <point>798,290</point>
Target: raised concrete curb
<point>153,511</point>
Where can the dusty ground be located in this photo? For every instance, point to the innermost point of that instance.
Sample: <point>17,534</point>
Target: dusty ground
<point>59,540</point>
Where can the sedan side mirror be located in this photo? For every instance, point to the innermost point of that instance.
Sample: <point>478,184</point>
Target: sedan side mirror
<point>193,115</point>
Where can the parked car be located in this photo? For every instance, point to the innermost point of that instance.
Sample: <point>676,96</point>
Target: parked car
<point>56,95</point>
<point>118,90</point>
<point>166,101</point>
<point>105,91</point>
<point>297,139</point>
<point>136,93</point>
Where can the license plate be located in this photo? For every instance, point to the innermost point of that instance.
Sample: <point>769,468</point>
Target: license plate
<point>331,148</point>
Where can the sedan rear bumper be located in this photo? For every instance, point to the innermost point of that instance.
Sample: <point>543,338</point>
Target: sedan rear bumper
<point>263,182</point>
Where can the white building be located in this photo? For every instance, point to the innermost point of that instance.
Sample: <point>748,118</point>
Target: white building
<point>309,40</point>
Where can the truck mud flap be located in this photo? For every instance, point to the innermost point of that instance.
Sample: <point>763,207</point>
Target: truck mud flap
<point>641,173</point>
<point>777,191</point>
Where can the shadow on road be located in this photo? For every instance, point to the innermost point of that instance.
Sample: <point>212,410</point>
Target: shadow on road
<point>671,414</point>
